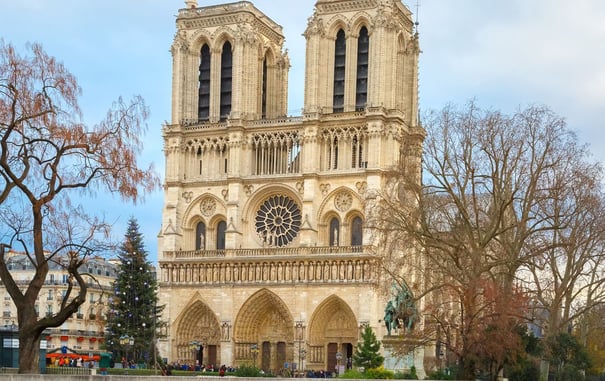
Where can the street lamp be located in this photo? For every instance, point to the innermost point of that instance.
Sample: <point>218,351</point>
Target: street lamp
<point>302,353</point>
<point>126,341</point>
<point>338,358</point>
<point>254,351</point>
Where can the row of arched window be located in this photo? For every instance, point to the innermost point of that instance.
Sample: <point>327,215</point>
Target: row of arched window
<point>226,76</point>
<point>355,232</point>
<point>216,241</point>
<point>226,83</point>
<point>201,237</point>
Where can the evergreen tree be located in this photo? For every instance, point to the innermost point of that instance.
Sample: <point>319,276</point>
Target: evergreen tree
<point>367,353</point>
<point>134,313</point>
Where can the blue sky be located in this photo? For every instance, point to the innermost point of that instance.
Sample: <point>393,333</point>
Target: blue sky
<point>505,54</point>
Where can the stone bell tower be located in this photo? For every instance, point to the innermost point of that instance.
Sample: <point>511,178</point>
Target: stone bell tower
<point>264,252</point>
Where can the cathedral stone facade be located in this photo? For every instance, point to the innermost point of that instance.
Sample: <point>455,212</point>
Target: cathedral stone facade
<point>265,252</point>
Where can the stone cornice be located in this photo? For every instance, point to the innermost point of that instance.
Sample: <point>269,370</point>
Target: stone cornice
<point>230,14</point>
<point>344,5</point>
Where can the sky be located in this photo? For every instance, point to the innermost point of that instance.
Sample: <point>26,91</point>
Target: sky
<point>503,54</point>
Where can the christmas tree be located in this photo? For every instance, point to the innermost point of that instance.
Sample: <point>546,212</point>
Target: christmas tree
<point>367,352</point>
<point>134,312</point>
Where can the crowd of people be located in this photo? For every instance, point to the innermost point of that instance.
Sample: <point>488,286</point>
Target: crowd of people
<point>73,362</point>
<point>167,370</point>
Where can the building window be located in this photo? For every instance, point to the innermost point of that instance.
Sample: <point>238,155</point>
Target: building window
<point>334,231</point>
<point>357,152</point>
<point>221,228</point>
<point>340,53</point>
<point>363,48</point>
<point>200,236</point>
<point>356,231</point>
<point>333,154</point>
<point>276,153</point>
<point>264,90</point>
<point>278,221</point>
<point>204,89</point>
<point>226,73</point>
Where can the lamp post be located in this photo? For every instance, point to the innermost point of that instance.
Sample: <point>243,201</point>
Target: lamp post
<point>302,353</point>
<point>254,351</point>
<point>155,342</point>
<point>126,341</point>
<point>338,358</point>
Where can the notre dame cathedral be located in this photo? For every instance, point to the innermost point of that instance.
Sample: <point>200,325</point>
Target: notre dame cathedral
<point>264,252</point>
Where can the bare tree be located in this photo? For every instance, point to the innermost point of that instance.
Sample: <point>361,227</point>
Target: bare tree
<point>565,278</point>
<point>478,218</point>
<point>49,159</point>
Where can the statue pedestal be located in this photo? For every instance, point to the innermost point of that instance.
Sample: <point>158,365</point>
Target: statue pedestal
<point>401,353</point>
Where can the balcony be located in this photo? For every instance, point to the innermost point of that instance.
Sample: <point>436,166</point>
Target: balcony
<point>312,265</point>
<point>265,252</point>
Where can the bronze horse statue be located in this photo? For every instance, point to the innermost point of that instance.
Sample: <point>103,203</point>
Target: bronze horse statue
<point>401,312</point>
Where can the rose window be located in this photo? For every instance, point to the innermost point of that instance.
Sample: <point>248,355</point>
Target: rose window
<point>278,221</point>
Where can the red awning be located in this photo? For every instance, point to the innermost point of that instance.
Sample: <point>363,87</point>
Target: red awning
<point>80,338</point>
<point>73,356</point>
<point>48,338</point>
<point>64,338</point>
<point>101,340</point>
<point>93,339</point>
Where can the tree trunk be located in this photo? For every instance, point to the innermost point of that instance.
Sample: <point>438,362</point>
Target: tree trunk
<point>29,352</point>
<point>466,370</point>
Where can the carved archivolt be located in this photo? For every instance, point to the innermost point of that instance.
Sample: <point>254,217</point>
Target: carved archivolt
<point>198,323</point>
<point>333,320</point>
<point>264,317</point>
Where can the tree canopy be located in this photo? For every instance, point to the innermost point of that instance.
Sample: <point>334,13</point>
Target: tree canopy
<point>367,353</point>
<point>507,224</point>
<point>49,161</point>
<point>135,313</point>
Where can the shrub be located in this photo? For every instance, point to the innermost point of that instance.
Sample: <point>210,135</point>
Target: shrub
<point>408,375</point>
<point>248,371</point>
<point>440,374</point>
<point>352,374</point>
<point>379,373</point>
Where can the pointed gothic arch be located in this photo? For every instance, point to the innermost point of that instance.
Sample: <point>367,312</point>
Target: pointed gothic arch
<point>265,321</point>
<point>333,328</point>
<point>197,323</point>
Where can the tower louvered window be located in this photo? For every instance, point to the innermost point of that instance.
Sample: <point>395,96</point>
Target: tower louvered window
<point>204,89</point>
<point>264,90</point>
<point>363,48</point>
<point>226,80</point>
<point>339,72</point>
